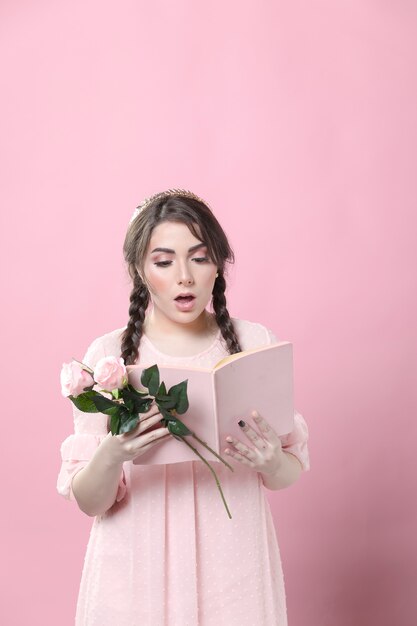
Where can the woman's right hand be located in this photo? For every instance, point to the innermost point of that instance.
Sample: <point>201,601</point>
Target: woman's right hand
<point>95,486</point>
<point>128,446</point>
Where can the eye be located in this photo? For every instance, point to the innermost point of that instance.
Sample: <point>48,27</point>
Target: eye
<point>198,260</point>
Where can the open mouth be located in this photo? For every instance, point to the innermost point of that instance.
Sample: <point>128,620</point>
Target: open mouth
<point>184,298</point>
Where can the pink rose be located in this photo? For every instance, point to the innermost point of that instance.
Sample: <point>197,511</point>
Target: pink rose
<point>110,373</point>
<point>74,379</point>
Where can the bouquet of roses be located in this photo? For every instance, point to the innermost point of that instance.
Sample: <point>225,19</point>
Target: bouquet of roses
<point>123,403</point>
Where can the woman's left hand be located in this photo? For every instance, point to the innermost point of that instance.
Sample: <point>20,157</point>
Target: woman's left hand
<point>265,453</point>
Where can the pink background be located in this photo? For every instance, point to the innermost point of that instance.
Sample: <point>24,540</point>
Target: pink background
<point>297,122</point>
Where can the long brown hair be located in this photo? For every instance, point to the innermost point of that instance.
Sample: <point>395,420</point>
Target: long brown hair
<point>194,213</point>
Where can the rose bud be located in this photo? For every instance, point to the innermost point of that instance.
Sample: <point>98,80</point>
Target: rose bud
<point>110,373</point>
<point>74,379</point>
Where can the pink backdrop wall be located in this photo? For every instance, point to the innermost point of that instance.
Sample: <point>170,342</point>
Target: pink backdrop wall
<point>297,122</point>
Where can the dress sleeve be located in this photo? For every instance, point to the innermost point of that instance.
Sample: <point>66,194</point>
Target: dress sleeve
<point>89,431</point>
<point>295,442</point>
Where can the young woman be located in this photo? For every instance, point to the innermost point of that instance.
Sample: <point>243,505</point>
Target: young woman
<point>162,550</point>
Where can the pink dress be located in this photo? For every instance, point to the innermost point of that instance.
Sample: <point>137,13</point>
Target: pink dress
<point>166,553</point>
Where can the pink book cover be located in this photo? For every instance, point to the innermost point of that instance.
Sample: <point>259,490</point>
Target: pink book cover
<point>260,379</point>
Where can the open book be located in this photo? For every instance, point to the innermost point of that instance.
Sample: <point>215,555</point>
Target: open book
<point>259,379</point>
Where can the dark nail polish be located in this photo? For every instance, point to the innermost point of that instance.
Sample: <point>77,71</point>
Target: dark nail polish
<point>241,423</point>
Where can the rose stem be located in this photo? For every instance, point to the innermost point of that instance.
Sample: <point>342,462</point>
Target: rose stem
<point>203,443</point>
<point>212,471</point>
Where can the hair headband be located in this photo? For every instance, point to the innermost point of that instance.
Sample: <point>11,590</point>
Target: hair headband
<point>165,194</point>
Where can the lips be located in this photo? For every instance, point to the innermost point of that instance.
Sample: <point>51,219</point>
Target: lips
<point>185,303</point>
<point>185,296</point>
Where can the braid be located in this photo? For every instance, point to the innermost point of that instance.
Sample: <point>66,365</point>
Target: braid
<point>139,299</point>
<point>222,315</point>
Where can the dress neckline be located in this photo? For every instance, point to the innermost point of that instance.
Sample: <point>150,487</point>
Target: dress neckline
<point>190,356</point>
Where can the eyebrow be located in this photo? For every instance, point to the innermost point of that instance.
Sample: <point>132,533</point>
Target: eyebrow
<point>170,251</point>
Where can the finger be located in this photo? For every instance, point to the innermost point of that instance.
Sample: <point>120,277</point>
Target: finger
<point>151,444</point>
<point>148,437</point>
<point>253,436</point>
<point>149,422</point>
<point>134,445</point>
<point>239,457</point>
<point>267,432</point>
<point>243,449</point>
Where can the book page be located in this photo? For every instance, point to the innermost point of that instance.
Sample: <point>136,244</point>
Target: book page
<point>262,381</point>
<point>239,355</point>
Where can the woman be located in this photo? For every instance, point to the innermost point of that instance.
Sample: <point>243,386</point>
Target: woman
<point>162,551</point>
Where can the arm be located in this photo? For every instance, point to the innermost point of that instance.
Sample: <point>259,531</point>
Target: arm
<point>289,471</point>
<point>92,460</point>
<point>95,486</point>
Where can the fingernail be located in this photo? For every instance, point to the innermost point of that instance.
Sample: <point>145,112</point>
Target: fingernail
<point>229,439</point>
<point>241,423</point>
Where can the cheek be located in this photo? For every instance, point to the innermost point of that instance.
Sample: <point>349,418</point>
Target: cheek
<point>210,276</point>
<point>156,280</point>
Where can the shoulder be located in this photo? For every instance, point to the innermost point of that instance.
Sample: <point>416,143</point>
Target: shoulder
<point>104,345</point>
<point>252,334</point>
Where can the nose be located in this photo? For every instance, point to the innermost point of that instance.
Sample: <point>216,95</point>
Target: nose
<point>184,274</point>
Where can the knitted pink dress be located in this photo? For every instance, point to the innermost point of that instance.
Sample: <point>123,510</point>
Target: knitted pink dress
<point>166,553</point>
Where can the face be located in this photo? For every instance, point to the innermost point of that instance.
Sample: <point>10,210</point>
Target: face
<point>181,268</point>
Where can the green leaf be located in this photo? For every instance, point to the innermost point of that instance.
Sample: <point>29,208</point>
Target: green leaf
<point>134,402</point>
<point>104,405</point>
<point>166,415</point>
<point>119,414</point>
<point>128,424</point>
<point>166,402</point>
<point>162,391</point>
<point>179,392</point>
<point>115,423</point>
<point>182,405</point>
<point>84,402</point>
<point>150,379</point>
<point>146,375</point>
<point>178,428</point>
<point>137,392</point>
<point>128,400</point>
<point>145,406</point>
